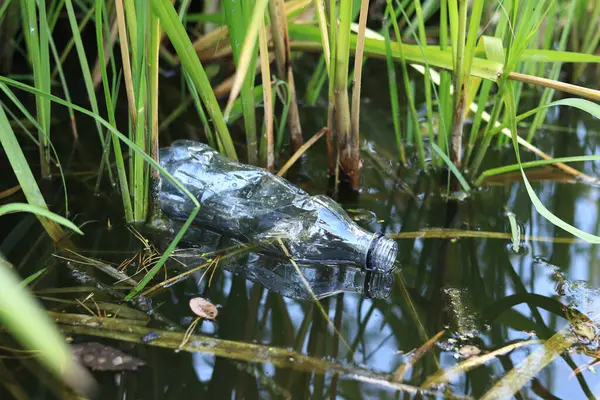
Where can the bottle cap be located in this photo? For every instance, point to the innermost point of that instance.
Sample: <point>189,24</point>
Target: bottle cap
<point>378,285</point>
<point>382,254</point>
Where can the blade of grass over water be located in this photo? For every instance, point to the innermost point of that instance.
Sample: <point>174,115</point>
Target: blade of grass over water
<point>183,46</point>
<point>554,72</point>
<point>407,86</point>
<point>540,208</point>
<point>89,84</point>
<point>25,319</point>
<point>36,39</point>
<point>39,211</point>
<point>53,233</point>
<point>453,168</point>
<point>394,101</point>
<point>531,164</point>
<point>422,46</point>
<point>153,71</point>
<point>465,53</point>
<point>244,23</point>
<point>116,144</point>
<point>24,175</point>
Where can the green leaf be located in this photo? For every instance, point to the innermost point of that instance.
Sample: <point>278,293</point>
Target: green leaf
<point>461,179</point>
<point>540,208</point>
<point>39,211</point>
<point>29,324</point>
<point>537,55</point>
<point>434,56</point>
<point>24,175</point>
<point>189,59</point>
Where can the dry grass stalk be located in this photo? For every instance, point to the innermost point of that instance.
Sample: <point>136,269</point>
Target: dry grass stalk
<point>281,41</point>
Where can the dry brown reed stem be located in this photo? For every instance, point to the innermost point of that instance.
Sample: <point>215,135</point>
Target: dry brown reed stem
<point>281,41</point>
<point>301,151</point>
<point>354,173</point>
<point>267,95</point>
<point>125,59</point>
<point>416,355</point>
<point>587,93</point>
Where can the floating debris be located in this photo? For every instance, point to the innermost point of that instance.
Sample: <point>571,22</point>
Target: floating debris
<point>99,357</point>
<point>203,308</point>
<point>150,337</point>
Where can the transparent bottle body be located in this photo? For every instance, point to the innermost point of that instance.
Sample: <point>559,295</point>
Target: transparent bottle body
<point>299,281</point>
<point>255,206</point>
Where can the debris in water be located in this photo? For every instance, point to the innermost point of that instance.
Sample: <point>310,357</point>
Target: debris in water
<point>99,357</point>
<point>203,308</point>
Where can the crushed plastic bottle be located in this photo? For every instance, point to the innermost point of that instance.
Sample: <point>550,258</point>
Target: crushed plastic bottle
<point>280,275</point>
<point>254,206</point>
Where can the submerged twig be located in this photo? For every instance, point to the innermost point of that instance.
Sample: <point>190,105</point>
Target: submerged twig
<point>250,352</point>
<point>444,233</point>
<point>301,151</point>
<point>403,369</point>
<point>443,376</point>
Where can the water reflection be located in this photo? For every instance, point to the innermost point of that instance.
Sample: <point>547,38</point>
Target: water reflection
<point>296,280</point>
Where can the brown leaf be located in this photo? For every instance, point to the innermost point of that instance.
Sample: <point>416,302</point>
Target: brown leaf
<point>203,308</point>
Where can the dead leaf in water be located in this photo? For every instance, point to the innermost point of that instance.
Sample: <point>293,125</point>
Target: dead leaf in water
<point>203,308</point>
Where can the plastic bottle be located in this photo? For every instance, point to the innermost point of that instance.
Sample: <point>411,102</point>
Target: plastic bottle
<point>255,206</point>
<point>280,275</point>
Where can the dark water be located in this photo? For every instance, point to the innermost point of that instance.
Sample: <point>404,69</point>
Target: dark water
<point>481,292</point>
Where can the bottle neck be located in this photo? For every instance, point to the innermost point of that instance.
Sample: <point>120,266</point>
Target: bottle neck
<point>381,255</point>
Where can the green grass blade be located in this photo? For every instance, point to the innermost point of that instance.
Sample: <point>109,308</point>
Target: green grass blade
<point>39,211</point>
<point>559,56</point>
<point>87,78</point>
<point>200,109</point>
<point>25,176</point>
<point>394,97</point>
<point>407,86</point>
<point>44,82</point>
<point>33,277</point>
<point>455,171</point>
<point>532,164</point>
<point>189,59</point>
<point>554,72</point>
<point>248,51</point>
<point>540,208</point>
<point>34,41</point>
<point>29,324</point>
<point>120,163</point>
<point>30,118</point>
<point>134,148</point>
<point>487,69</point>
